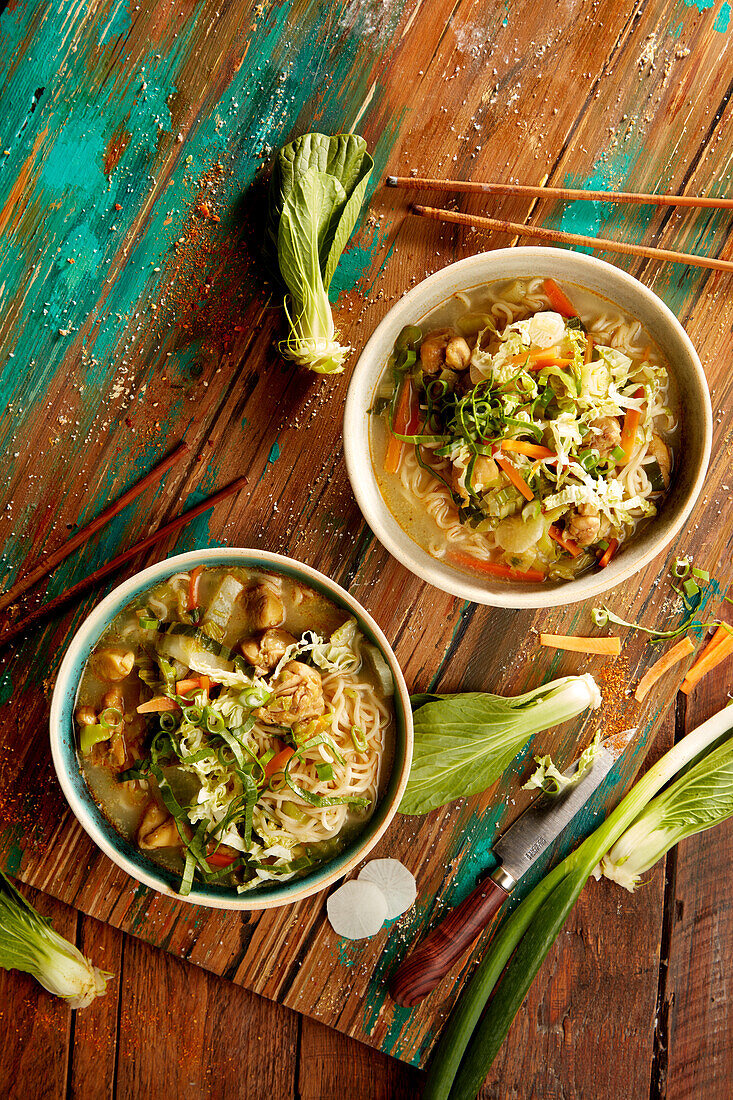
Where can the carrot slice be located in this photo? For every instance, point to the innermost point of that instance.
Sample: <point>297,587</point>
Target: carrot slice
<point>278,761</point>
<point>608,553</point>
<point>515,477</point>
<point>158,705</point>
<point>533,450</point>
<point>193,587</point>
<point>184,686</point>
<point>405,423</point>
<point>559,299</point>
<point>220,858</point>
<point>672,657</point>
<point>495,568</point>
<point>610,647</point>
<point>628,431</point>
<point>713,654</point>
<point>535,360</point>
<point>567,544</point>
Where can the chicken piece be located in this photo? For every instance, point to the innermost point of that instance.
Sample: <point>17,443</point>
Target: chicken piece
<point>264,652</point>
<point>432,351</point>
<point>583,525</point>
<point>264,607</point>
<point>660,451</point>
<point>118,748</point>
<point>113,698</point>
<point>485,471</point>
<point>607,435</point>
<point>114,664</point>
<point>457,354</point>
<point>298,693</point>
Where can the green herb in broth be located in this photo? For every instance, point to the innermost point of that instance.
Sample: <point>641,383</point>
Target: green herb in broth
<point>226,751</point>
<point>526,434</point>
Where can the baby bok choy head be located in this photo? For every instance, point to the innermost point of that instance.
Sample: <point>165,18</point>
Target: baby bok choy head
<point>316,192</point>
<point>463,743</point>
<point>28,942</point>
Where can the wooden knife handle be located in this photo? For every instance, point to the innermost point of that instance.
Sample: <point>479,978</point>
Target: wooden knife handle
<point>431,960</point>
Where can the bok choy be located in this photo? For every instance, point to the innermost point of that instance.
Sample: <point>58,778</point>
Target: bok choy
<point>696,778</point>
<point>28,942</point>
<point>316,192</point>
<point>464,742</point>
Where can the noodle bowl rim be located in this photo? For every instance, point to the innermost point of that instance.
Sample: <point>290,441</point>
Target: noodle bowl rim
<point>597,277</point>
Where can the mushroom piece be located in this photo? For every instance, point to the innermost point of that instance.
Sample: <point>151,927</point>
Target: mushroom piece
<point>113,698</point>
<point>85,716</point>
<point>157,828</point>
<point>457,354</point>
<point>298,696</point>
<point>114,664</point>
<point>264,607</point>
<point>607,435</point>
<point>432,351</point>
<point>264,652</point>
<point>659,450</point>
<point>583,525</point>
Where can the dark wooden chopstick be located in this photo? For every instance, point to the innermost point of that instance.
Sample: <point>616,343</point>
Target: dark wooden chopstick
<point>557,236</point>
<point>41,613</point>
<point>50,561</point>
<point>558,194</point>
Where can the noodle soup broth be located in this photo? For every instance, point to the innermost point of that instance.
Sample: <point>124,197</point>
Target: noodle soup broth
<point>236,726</point>
<point>524,430</point>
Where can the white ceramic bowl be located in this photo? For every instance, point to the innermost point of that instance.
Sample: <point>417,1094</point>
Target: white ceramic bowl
<point>124,853</point>
<point>568,267</point>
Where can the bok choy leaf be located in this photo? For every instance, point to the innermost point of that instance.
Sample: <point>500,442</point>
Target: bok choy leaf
<point>316,193</point>
<point>464,742</point>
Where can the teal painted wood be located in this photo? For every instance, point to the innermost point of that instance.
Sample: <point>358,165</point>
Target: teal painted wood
<point>125,131</point>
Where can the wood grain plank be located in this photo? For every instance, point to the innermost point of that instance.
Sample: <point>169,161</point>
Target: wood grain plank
<point>94,1046</point>
<point>330,1064</point>
<point>183,1032</point>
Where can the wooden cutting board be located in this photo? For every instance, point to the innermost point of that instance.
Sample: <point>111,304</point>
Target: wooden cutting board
<point>134,311</point>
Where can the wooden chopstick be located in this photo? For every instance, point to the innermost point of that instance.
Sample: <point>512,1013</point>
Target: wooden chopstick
<point>557,236</point>
<point>117,562</point>
<point>50,561</point>
<point>559,194</point>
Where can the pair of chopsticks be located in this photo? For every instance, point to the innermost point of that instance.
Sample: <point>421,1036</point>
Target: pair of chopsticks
<point>560,194</point>
<point>49,562</point>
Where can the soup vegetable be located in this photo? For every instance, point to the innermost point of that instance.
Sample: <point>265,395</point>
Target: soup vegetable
<point>524,433</point>
<point>233,723</point>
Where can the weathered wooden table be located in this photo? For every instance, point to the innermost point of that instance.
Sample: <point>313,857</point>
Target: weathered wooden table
<point>133,311</point>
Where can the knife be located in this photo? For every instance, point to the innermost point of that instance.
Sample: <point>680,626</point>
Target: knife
<point>519,847</point>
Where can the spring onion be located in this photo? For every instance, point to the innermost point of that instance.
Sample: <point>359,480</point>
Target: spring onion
<point>317,189</point>
<point>463,743</point>
<point>696,799</point>
<point>29,942</point>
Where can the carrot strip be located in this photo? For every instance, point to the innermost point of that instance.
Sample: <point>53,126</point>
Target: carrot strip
<point>405,423</point>
<point>206,684</point>
<point>541,357</point>
<point>628,431</point>
<point>184,686</point>
<point>672,657</point>
<point>610,647</point>
<point>278,761</point>
<point>158,705</point>
<point>221,859</point>
<point>608,553</point>
<point>709,659</point>
<point>515,477</point>
<point>567,544</point>
<point>495,568</point>
<point>559,299</point>
<point>533,450</point>
<point>193,587</point>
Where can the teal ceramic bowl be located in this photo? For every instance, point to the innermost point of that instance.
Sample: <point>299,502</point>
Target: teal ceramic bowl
<point>125,854</point>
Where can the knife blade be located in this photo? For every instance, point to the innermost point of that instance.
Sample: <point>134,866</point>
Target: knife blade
<point>516,850</point>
